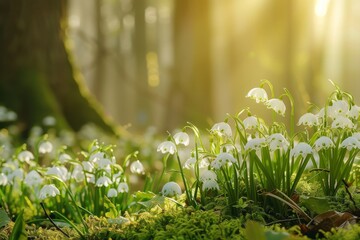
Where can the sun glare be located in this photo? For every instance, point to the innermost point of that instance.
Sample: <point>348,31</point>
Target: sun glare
<point>321,7</point>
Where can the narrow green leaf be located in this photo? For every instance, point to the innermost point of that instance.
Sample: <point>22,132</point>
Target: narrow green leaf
<point>4,218</point>
<point>18,232</point>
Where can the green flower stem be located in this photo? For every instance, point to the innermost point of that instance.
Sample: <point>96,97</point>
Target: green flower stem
<point>292,112</point>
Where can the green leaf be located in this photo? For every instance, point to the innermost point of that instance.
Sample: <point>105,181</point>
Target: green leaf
<point>4,218</point>
<point>112,211</point>
<point>254,230</point>
<point>317,205</point>
<point>18,232</point>
<point>272,235</point>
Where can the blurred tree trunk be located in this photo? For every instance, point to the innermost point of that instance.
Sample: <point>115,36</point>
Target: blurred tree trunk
<point>37,75</point>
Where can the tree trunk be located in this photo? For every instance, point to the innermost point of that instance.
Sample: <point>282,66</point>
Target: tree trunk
<point>37,74</point>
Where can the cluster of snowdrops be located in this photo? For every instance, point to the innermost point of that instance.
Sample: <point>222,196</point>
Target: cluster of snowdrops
<point>239,158</point>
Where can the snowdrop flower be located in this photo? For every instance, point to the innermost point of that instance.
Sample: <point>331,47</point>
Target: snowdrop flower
<point>48,191</point>
<point>61,172</point>
<point>356,135</point>
<point>90,178</point>
<point>277,141</point>
<point>33,178</point>
<point>259,94</point>
<point>171,189</point>
<point>103,163</point>
<point>16,174</point>
<point>112,193</point>
<point>350,143</point>
<point>210,185</point>
<point>45,147</point>
<point>204,163</point>
<point>354,112</point>
<point>137,167</point>
<point>323,143</point>
<point>250,122</point>
<point>338,108</point>
<point>182,138</point>
<point>301,149</point>
<point>49,121</point>
<point>308,119</point>
<point>25,156</point>
<point>167,147</point>
<point>96,157</point>
<point>190,163</point>
<point>222,129</point>
<point>255,144</point>
<point>88,166</point>
<point>222,159</point>
<point>64,157</point>
<point>3,179</point>
<point>123,187</point>
<point>103,181</point>
<point>208,175</point>
<point>277,105</point>
<point>78,173</point>
<point>342,122</point>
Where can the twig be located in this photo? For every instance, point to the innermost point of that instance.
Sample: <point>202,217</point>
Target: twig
<point>56,226</point>
<point>348,192</point>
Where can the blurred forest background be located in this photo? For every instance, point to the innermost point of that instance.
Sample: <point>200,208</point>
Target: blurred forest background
<point>164,62</point>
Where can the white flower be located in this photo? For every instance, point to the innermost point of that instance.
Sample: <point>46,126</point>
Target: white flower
<point>301,149</point>
<point>208,175</point>
<point>204,163</point>
<point>64,157</point>
<point>222,159</point>
<point>277,141</point>
<point>255,144</point>
<point>49,121</point>
<point>356,135</point>
<point>48,191</point>
<point>210,185</point>
<point>25,156</point>
<point>123,187</point>
<point>103,163</point>
<point>33,178</point>
<point>88,166</point>
<point>250,122</point>
<point>96,157</point>
<point>3,179</point>
<point>16,174</point>
<point>112,193</point>
<point>171,189</point>
<point>323,143</point>
<point>354,112</point>
<point>137,167</point>
<point>45,147</point>
<point>338,108</point>
<point>78,173</point>
<point>342,122</point>
<point>350,143</point>
<point>190,163</point>
<point>222,129</point>
<point>182,138</point>
<point>259,94</point>
<point>60,172</point>
<point>103,181</point>
<point>277,105</point>
<point>308,119</point>
<point>167,147</point>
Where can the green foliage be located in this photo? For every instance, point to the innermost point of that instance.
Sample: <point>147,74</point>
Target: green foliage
<point>19,232</point>
<point>4,218</point>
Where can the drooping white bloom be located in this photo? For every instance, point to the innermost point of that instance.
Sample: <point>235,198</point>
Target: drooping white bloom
<point>323,143</point>
<point>338,108</point>
<point>3,179</point>
<point>103,181</point>
<point>301,149</point>
<point>48,191</point>
<point>210,185</point>
<point>25,156</point>
<point>222,159</point>
<point>112,193</point>
<point>277,105</point>
<point>250,122</point>
<point>137,167</point>
<point>171,189</point>
<point>354,112</point>
<point>59,171</point>
<point>259,94</point>
<point>33,178</point>
<point>182,138</point>
<point>222,129</point>
<point>78,173</point>
<point>88,166</point>
<point>49,121</point>
<point>204,163</point>
<point>123,187</point>
<point>350,143</point>
<point>103,163</point>
<point>64,157</point>
<point>45,147</point>
<point>342,122</point>
<point>356,135</point>
<point>17,174</point>
<point>277,141</point>
<point>96,157</point>
<point>208,175</point>
<point>167,147</point>
<point>255,144</point>
<point>308,119</point>
<point>190,163</point>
